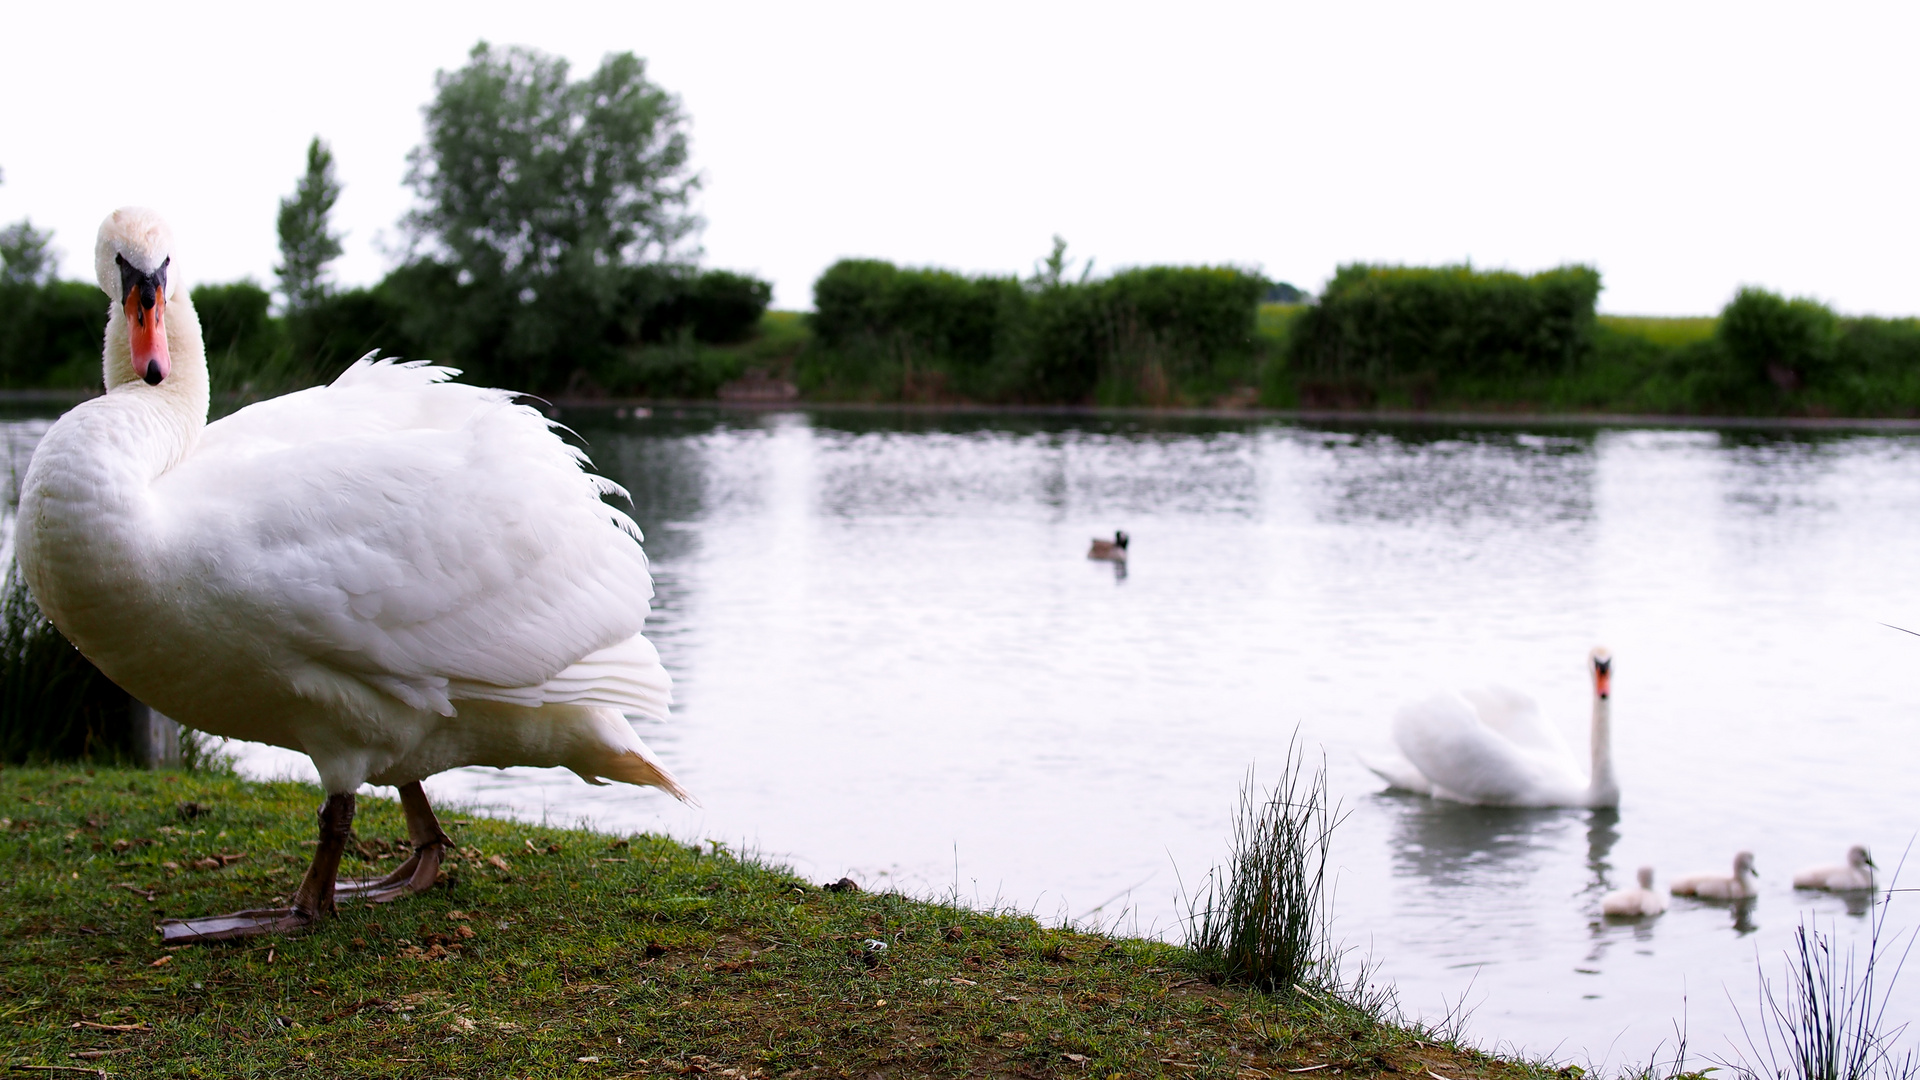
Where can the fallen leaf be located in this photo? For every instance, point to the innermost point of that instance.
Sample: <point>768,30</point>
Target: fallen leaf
<point>168,959</point>
<point>499,863</point>
<point>458,916</point>
<point>1075,1058</point>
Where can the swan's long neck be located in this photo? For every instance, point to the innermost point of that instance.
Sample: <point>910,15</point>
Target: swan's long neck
<point>185,394</point>
<point>1602,788</point>
<point>87,520</point>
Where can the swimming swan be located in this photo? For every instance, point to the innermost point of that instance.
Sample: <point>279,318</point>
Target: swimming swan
<point>1857,874</point>
<point>1634,903</point>
<point>1743,884</point>
<point>1489,747</point>
<point>394,574</point>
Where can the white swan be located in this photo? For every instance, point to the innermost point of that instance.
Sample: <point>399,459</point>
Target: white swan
<point>394,574</point>
<point>1743,884</point>
<point>1857,874</point>
<point>1634,903</point>
<point>1489,747</point>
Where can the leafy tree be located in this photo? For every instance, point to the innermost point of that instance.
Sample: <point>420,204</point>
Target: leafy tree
<point>540,195</point>
<point>26,254</point>
<point>306,244</point>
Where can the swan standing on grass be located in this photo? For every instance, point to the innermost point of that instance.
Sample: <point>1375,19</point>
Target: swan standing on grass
<point>1489,747</point>
<point>1857,874</point>
<point>1634,903</point>
<point>1743,885</point>
<point>393,574</point>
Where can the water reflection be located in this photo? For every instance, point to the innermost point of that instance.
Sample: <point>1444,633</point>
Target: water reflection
<point>1460,479</point>
<point>1453,846</point>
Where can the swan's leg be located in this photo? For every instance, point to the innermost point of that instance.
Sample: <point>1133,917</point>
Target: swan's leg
<point>421,869</point>
<point>311,903</point>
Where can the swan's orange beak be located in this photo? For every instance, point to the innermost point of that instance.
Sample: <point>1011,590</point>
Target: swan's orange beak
<point>1601,680</point>
<point>146,304</point>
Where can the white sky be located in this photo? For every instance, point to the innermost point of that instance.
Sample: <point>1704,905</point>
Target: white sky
<point>1682,149</point>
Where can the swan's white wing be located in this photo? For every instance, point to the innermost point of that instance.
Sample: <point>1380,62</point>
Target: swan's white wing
<point>1467,760</point>
<point>430,538</point>
<point>1399,774</point>
<point>1516,717</point>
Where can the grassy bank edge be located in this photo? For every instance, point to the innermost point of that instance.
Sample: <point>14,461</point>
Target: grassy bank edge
<point>564,952</point>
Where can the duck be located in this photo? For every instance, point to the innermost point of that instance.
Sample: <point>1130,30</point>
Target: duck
<point>1114,550</point>
<point>1742,885</point>
<point>1634,903</point>
<point>395,574</point>
<point>1856,874</point>
<point>1489,747</point>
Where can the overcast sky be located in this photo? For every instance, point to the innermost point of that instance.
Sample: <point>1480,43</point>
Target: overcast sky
<point>1682,149</point>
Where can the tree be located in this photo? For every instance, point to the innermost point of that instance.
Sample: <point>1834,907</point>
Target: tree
<point>306,245</point>
<point>539,195</point>
<point>26,254</point>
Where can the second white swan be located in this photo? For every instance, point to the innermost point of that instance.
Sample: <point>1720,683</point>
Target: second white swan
<point>1489,747</point>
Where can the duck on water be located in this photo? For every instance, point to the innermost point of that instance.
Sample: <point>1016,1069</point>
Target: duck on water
<point>394,574</point>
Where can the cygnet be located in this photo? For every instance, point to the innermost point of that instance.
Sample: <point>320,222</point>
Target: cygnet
<point>1740,886</point>
<point>1857,874</point>
<point>1634,903</point>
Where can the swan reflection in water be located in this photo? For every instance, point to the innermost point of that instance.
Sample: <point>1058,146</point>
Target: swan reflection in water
<point>1456,846</point>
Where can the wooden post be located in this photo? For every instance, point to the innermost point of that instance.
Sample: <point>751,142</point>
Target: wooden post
<point>156,739</point>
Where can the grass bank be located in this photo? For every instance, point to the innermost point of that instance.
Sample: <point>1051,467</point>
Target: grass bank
<point>565,953</point>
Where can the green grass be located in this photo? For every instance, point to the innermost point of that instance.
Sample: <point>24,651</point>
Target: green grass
<point>580,955</point>
<point>1665,331</point>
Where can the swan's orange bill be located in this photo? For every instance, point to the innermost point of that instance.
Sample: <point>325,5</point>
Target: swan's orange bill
<point>147,334</point>
<point>1600,681</point>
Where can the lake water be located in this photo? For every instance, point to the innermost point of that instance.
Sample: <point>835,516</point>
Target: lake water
<point>894,661</point>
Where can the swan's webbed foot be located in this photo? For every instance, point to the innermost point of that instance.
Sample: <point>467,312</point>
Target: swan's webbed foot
<point>313,901</point>
<point>238,924</point>
<point>422,868</point>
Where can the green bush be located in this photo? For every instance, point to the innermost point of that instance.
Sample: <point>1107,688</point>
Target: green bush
<point>54,704</point>
<point>241,337</point>
<point>1382,325</point>
<point>1789,343</point>
<point>50,334</point>
<point>720,307</point>
<point>1153,335</point>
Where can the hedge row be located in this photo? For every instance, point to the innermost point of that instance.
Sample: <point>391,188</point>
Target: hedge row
<point>1154,335</point>
<point>1381,323</point>
<point>50,335</point>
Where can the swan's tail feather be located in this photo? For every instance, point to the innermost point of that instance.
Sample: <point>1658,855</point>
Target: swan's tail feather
<point>633,767</point>
<point>1399,774</point>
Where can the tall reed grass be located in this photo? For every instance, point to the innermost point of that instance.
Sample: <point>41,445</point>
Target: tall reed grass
<point>1265,919</point>
<point>54,704</point>
<point>1827,1019</point>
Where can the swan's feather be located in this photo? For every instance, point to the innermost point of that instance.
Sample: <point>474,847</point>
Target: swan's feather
<point>1467,760</point>
<point>1516,717</point>
<point>434,540</point>
<point>1399,774</point>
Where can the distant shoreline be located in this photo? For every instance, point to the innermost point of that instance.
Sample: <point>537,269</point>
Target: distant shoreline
<point>1316,416</point>
<point>1394,417</point>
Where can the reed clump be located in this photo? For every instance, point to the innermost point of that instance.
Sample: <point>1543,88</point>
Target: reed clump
<point>1265,919</point>
<point>54,704</point>
<point>1827,1019</point>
